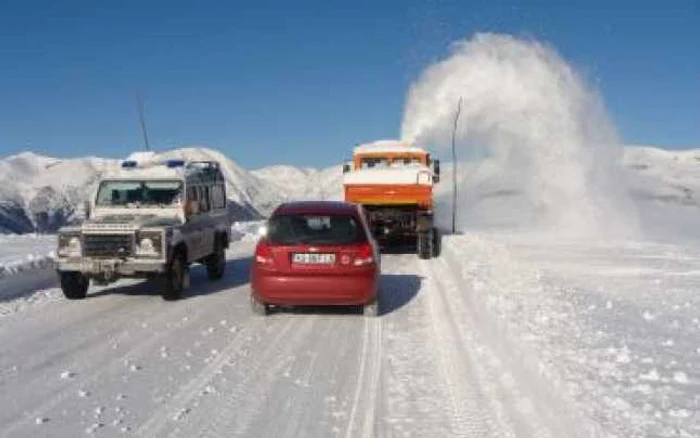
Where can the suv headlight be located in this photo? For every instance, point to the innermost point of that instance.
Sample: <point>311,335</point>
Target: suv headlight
<point>69,245</point>
<point>149,244</point>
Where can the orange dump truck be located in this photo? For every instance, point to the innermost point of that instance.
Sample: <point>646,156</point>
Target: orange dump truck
<point>394,182</point>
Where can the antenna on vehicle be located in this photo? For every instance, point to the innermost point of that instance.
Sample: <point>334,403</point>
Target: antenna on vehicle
<point>454,166</point>
<point>142,120</point>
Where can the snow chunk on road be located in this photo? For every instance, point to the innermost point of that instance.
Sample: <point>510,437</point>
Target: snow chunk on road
<point>680,377</point>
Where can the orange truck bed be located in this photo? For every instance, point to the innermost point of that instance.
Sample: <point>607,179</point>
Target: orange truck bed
<point>390,194</point>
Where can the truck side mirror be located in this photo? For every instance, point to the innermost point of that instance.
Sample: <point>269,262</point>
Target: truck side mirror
<point>346,167</point>
<point>436,171</point>
<point>88,209</point>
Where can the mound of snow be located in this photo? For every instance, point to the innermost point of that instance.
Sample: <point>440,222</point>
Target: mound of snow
<point>294,183</point>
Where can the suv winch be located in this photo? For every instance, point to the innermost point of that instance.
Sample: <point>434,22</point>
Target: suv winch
<point>149,219</point>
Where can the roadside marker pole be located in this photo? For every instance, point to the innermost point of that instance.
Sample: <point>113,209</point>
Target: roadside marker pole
<point>454,167</point>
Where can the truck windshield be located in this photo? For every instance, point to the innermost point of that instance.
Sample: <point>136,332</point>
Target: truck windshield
<point>381,163</point>
<point>315,230</point>
<point>139,193</point>
<point>374,163</point>
<point>406,162</point>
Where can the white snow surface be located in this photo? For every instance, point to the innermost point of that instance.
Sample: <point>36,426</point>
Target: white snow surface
<point>387,146</point>
<point>507,334</point>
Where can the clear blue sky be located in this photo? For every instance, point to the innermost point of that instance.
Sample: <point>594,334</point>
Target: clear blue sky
<point>300,82</point>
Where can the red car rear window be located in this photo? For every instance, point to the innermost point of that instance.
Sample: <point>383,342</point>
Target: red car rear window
<point>312,229</point>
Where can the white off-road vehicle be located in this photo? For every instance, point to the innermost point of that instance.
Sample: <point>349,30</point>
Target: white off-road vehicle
<point>149,219</point>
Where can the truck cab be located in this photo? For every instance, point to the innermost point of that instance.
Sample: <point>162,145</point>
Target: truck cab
<point>149,218</point>
<point>394,182</point>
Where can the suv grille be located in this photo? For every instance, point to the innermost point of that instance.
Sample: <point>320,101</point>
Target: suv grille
<point>108,245</point>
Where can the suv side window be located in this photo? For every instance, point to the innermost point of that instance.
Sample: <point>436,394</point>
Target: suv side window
<point>204,199</point>
<point>193,198</point>
<point>217,196</point>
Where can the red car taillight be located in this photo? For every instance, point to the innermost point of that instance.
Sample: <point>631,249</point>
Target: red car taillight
<point>365,256</point>
<point>263,254</point>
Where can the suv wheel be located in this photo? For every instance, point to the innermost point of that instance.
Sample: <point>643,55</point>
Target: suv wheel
<point>216,263</point>
<point>74,285</point>
<point>175,278</point>
<point>258,307</point>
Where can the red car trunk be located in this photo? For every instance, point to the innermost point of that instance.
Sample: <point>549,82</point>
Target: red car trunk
<point>289,271</point>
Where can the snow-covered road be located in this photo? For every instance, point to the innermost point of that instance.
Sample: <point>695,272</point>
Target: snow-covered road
<point>505,335</point>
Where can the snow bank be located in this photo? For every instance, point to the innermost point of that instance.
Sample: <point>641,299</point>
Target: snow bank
<point>26,264</point>
<point>612,325</point>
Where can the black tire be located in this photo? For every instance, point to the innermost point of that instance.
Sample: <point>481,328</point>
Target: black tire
<point>175,278</point>
<point>425,245</point>
<point>258,307</point>
<point>437,242</point>
<point>216,263</point>
<point>74,285</point>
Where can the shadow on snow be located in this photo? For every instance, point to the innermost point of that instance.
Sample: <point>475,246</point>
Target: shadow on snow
<point>237,274</point>
<point>395,292</point>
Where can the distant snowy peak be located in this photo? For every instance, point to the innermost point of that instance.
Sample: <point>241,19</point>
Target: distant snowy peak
<point>304,183</point>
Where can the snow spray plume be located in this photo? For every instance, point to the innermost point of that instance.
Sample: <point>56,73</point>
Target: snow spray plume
<point>540,133</point>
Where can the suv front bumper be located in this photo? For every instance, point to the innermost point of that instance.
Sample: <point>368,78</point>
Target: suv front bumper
<point>112,267</point>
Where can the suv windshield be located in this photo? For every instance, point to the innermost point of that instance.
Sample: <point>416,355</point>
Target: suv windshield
<point>139,193</point>
<point>315,230</point>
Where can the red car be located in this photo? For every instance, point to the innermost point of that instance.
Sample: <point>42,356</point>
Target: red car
<point>316,253</point>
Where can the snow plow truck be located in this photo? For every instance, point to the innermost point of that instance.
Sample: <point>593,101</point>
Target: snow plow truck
<point>394,183</point>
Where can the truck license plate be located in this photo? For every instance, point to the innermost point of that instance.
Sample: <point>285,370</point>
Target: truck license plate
<point>313,259</point>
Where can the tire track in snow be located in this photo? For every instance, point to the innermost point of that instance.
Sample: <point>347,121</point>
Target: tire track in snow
<point>523,400</point>
<point>252,373</point>
<point>109,365</point>
<point>470,416</point>
<point>159,419</point>
<point>367,381</point>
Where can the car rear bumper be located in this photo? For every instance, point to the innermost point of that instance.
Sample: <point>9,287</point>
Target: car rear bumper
<point>315,290</point>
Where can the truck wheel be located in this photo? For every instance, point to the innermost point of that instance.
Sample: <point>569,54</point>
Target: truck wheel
<point>425,245</point>
<point>74,285</point>
<point>437,242</point>
<point>216,263</point>
<point>258,307</point>
<point>175,278</point>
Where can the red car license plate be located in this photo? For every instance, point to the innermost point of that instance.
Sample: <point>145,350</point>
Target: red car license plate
<point>313,259</point>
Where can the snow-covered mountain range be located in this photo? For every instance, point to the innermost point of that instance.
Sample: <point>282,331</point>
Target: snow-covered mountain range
<point>40,194</point>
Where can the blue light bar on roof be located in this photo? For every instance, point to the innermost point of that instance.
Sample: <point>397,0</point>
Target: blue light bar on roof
<point>129,164</point>
<point>174,163</point>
